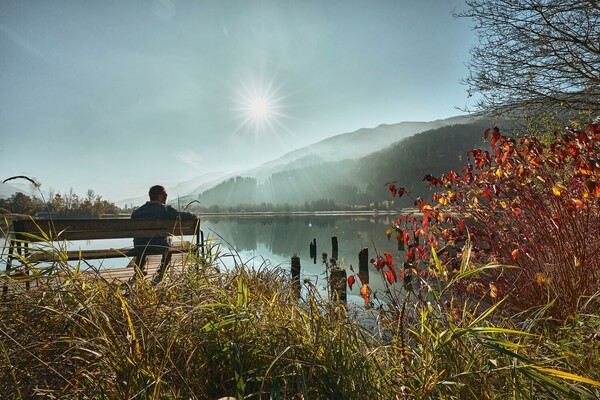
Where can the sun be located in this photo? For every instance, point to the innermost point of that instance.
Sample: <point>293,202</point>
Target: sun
<point>260,107</point>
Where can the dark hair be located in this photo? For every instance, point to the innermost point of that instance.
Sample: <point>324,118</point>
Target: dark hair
<point>155,191</point>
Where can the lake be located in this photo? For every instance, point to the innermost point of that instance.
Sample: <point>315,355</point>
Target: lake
<point>277,238</point>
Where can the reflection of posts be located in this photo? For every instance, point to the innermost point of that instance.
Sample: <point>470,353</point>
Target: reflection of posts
<point>313,251</point>
<point>296,276</point>
<point>334,247</point>
<point>363,265</point>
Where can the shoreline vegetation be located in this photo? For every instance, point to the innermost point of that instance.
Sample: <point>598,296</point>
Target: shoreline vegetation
<point>244,333</point>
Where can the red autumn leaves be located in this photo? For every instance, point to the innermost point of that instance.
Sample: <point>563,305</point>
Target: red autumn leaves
<point>396,191</point>
<point>519,202</point>
<point>381,263</point>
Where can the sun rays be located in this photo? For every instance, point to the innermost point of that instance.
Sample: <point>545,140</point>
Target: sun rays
<point>259,106</point>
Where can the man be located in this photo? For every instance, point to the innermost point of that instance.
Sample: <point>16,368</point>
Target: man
<point>156,208</point>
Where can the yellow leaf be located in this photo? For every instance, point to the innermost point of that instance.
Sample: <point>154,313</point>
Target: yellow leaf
<point>499,173</point>
<point>493,291</point>
<point>389,233</point>
<point>556,190</point>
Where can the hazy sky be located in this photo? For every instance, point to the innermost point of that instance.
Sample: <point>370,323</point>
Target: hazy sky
<point>117,95</point>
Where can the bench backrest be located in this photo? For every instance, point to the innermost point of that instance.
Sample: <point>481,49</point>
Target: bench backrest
<point>90,229</point>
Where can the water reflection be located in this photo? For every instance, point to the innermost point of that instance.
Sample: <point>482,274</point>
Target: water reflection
<point>278,238</point>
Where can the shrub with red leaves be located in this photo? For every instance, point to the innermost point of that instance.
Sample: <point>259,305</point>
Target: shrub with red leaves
<point>523,203</point>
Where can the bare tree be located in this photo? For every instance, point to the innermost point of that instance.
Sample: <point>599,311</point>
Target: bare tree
<point>535,55</point>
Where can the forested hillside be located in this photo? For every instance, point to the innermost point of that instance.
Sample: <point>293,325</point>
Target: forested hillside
<point>350,183</point>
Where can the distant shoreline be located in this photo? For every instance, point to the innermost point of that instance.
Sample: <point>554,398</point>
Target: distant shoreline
<point>249,214</point>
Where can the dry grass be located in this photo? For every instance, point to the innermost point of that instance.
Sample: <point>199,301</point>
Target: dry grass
<point>204,334</point>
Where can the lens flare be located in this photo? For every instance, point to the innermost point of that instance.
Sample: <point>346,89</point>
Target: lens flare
<point>259,107</point>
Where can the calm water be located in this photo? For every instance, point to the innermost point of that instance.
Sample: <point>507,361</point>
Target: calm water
<point>266,242</point>
<point>277,239</point>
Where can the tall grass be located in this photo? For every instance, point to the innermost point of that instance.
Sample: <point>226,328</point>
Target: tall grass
<point>445,346</point>
<point>201,334</point>
<point>205,334</point>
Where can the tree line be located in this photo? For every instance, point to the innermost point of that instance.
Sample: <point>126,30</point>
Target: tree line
<point>65,205</point>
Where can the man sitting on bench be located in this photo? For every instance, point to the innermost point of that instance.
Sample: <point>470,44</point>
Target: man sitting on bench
<point>156,208</point>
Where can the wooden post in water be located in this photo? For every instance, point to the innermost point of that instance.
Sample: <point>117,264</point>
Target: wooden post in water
<point>338,284</point>
<point>296,276</point>
<point>363,265</point>
<point>313,250</point>
<point>334,247</point>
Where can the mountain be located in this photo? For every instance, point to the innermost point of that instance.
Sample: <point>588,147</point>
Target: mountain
<point>353,181</point>
<point>348,146</point>
<point>345,146</point>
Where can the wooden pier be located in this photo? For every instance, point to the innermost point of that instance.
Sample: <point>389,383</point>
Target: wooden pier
<point>105,272</point>
<point>123,274</point>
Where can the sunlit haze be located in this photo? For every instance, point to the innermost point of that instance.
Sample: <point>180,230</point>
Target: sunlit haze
<point>260,108</point>
<point>116,96</point>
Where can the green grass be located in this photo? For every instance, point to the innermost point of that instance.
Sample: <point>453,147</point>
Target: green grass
<point>204,334</point>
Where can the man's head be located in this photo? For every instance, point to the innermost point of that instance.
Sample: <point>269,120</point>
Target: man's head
<point>158,193</point>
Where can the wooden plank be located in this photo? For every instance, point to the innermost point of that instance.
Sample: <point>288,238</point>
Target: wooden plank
<point>42,256</point>
<point>123,274</point>
<point>90,229</point>
<point>126,273</point>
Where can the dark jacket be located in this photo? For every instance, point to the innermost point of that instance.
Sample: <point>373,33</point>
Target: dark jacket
<point>156,210</point>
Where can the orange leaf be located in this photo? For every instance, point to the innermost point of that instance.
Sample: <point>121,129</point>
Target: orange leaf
<point>365,293</point>
<point>515,254</point>
<point>539,278</point>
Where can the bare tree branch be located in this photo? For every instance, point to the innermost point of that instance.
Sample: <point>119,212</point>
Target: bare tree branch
<point>535,54</point>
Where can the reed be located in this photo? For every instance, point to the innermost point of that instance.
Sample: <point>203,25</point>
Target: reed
<point>206,334</point>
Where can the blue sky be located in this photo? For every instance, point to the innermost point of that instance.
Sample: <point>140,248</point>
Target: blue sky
<point>115,96</point>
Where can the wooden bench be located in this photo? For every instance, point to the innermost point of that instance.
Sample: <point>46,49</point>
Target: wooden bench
<point>26,232</point>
